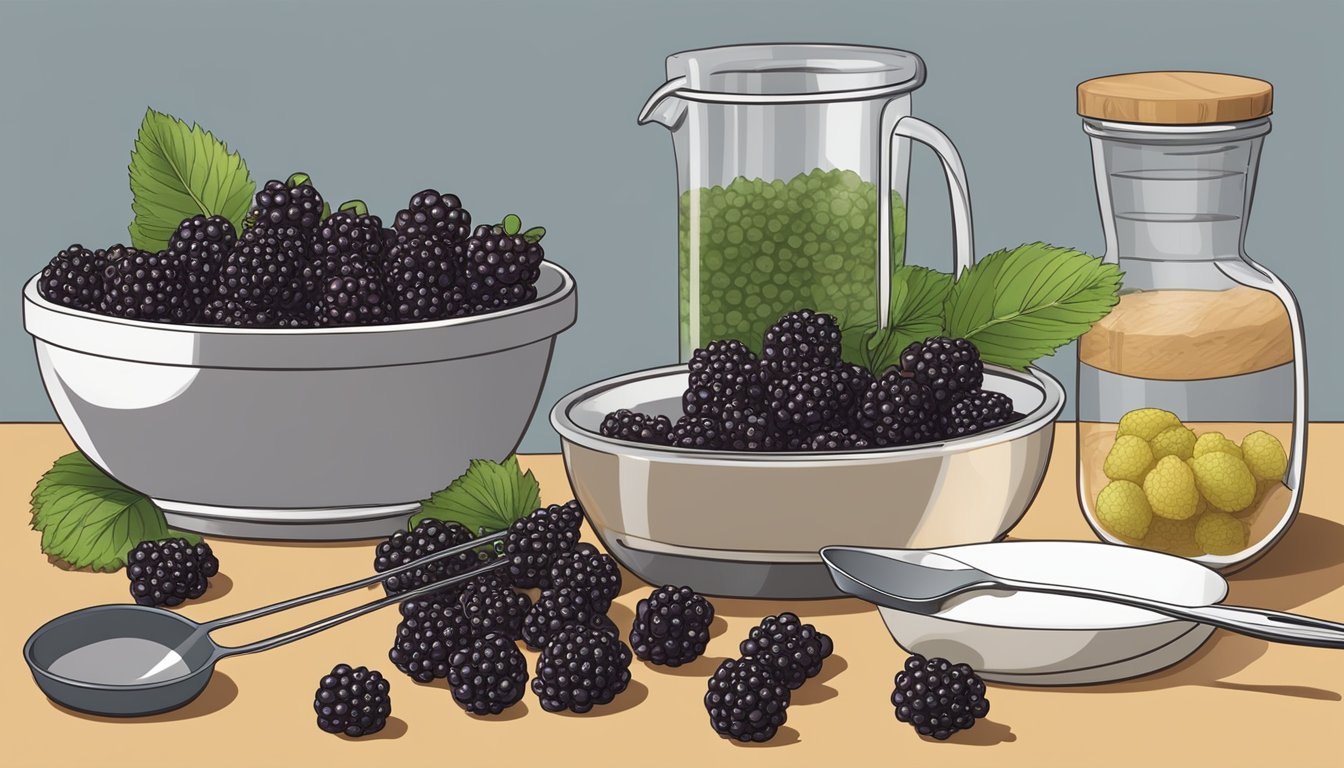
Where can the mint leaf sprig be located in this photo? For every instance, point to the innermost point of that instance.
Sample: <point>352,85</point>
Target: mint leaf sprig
<point>487,498</point>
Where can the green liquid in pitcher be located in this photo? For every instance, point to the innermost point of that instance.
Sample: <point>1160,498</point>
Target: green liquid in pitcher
<point>765,248</point>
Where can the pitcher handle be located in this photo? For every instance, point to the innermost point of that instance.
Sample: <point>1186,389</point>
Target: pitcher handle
<point>963,246</point>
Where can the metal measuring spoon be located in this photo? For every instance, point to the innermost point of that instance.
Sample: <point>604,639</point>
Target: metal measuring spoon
<point>920,581</point>
<point>129,660</point>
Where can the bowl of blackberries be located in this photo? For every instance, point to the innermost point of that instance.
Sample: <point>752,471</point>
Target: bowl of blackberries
<point>730,472</point>
<point>310,377</point>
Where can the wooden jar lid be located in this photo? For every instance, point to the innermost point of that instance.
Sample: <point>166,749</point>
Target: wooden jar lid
<point>1175,98</point>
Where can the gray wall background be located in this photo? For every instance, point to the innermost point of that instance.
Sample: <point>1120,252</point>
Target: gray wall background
<point>530,106</point>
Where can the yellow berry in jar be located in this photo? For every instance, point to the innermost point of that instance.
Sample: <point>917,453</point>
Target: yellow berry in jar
<point>1146,423</point>
<point>1215,442</point>
<point>1218,533</point>
<point>1264,455</point>
<point>1224,481</point>
<point>1176,537</point>
<point>1129,459</point>
<point>1123,509</point>
<point>1170,488</point>
<point>1174,441</point>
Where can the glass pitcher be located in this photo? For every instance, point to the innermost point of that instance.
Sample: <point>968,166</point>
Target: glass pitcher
<point>1192,391</point>
<point>792,166</point>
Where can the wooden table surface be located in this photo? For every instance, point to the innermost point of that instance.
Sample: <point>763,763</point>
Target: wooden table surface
<point>1235,702</point>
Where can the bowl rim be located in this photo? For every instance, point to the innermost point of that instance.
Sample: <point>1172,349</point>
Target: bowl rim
<point>1052,403</point>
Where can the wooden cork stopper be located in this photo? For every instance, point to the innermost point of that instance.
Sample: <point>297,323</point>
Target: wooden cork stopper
<point>1175,98</point>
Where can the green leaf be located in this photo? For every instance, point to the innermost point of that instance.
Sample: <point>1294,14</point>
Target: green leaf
<point>90,520</point>
<point>1021,304</point>
<point>917,298</point>
<point>486,499</point>
<point>534,234</point>
<point>511,224</point>
<point>178,171</point>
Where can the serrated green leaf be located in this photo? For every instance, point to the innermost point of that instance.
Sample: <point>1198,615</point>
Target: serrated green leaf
<point>917,298</point>
<point>485,499</point>
<point>1017,305</point>
<point>178,171</point>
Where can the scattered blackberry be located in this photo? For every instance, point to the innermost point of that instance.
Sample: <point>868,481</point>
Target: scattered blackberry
<point>261,279</point>
<point>419,274</point>
<point>499,255</point>
<point>346,268</point>
<point>170,571</point>
<point>428,536</point>
<point>899,410</point>
<point>197,250</point>
<point>488,676</point>
<point>294,202</point>
<point>745,701</point>
<point>534,542</point>
<point>671,626</point>
<point>937,697</point>
<point>556,609</point>
<point>801,341</point>
<point>581,668</point>
<point>352,701</point>
<point>977,412</point>
<point>697,432</point>
<point>490,605</point>
<point>431,628</point>
<point>722,373</point>
<point>809,402</point>
<point>74,278</point>
<point>143,286</point>
<point>844,439</point>
<point>625,424</point>
<point>791,650</point>
<point>430,214</point>
<point>948,367</point>
<point>589,571</point>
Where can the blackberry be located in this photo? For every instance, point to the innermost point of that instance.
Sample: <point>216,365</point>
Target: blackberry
<point>791,650</point>
<point>419,272</point>
<point>431,628</point>
<point>809,402</point>
<point>844,439</point>
<point>430,214</point>
<point>948,367</point>
<point>426,538</point>
<point>353,701</point>
<point>588,571</point>
<point>745,701</point>
<point>197,250</point>
<point>697,432</point>
<point>743,427</point>
<point>261,280</point>
<point>170,571</point>
<point>489,676</point>
<point>490,605</point>
<point>671,626</point>
<point>899,410</point>
<point>74,278</point>
<point>581,668</point>
<point>801,341</point>
<point>721,373</point>
<point>294,202</point>
<point>557,609</point>
<point>143,286</point>
<point>534,542</point>
<point>485,294</point>
<point>858,380</point>
<point>499,255</point>
<point>978,411</point>
<point>938,698</point>
<point>625,424</point>
<point>346,268</point>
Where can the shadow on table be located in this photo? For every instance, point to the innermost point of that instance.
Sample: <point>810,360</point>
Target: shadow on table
<point>1306,564</point>
<point>806,609</point>
<point>395,729</point>
<point>783,738</point>
<point>220,693</point>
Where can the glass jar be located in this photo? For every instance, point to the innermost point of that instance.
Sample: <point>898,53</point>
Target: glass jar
<point>792,165</point>
<point>1192,391</point>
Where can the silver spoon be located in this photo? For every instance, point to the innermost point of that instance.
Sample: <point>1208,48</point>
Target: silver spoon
<point>920,581</point>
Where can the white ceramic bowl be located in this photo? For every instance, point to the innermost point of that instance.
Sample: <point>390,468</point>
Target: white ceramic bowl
<point>325,433</point>
<point>751,524</point>
<point>1035,639</point>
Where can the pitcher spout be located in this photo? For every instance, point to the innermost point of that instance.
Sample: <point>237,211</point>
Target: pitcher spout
<point>664,107</point>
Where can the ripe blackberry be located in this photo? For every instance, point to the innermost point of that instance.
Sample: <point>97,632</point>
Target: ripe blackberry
<point>801,341</point>
<point>490,605</point>
<point>261,280</point>
<point>294,202</point>
<point>581,668</point>
<point>625,424</point>
<point>791,650</point>
<point>419,272</point>
<point>352,701</point>
<point>499,255</point>
<point>697,432</point>
<point>938,697</point>
<point>557,609</point>
<point>534,542</point>
<point>197,250</point>
<point>948,367</point>
<point>858,380</point>
<point>588,571</point>
<point>745,701</point>
<point>430,214</point>
<point>721,373</point>
<point>743,427</point>
<point>170,571</point>
<point>74,278</point>
<point>431,628</point>
<point>486,294</point>
<point>843,439</point>
<point>346,269</point>
<point>978,411</point>
<point>428,536</point>
<point>671,626</point>
<point>899,411</point>
<point>488,676</point>
<point>143,286</point>
<point>811,401</point>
